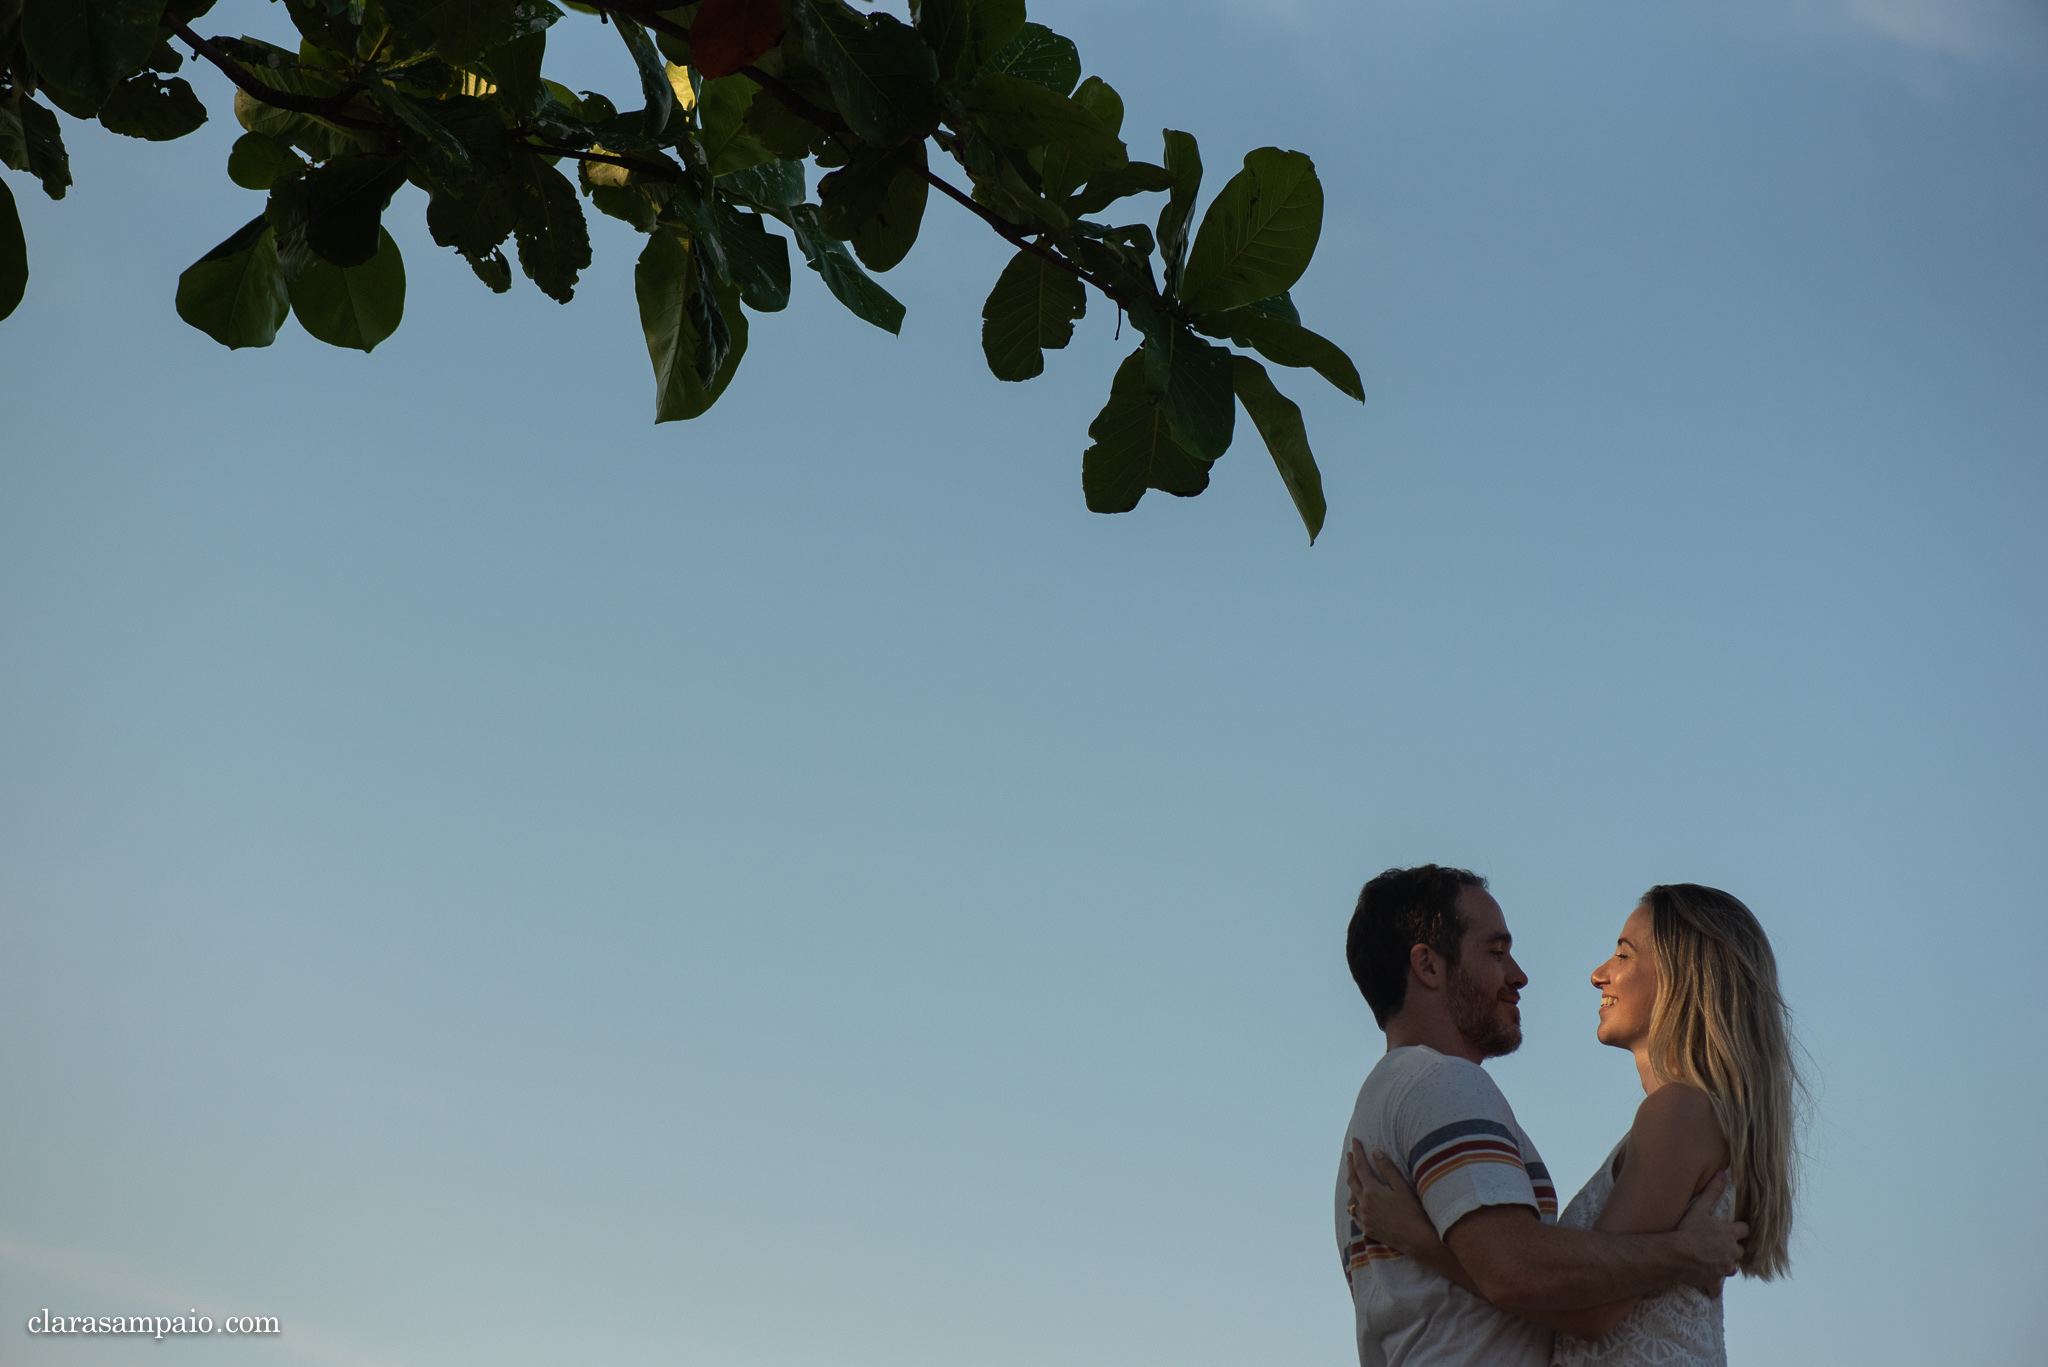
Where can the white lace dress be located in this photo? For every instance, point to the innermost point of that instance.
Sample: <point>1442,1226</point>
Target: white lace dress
<point>1676,1328</point>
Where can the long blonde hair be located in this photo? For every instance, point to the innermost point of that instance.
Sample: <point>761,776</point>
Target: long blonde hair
<point>1720,1025</point>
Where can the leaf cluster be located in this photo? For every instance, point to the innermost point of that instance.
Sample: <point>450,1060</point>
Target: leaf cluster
<point>742,107</point>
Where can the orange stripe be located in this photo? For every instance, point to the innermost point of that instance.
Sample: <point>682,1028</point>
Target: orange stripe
<point>1486,1145</point>
<point>1464,1162</point>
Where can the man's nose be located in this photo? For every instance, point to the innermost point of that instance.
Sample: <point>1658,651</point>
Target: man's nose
<point>1516,977</point>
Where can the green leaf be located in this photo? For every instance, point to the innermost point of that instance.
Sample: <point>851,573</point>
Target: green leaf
<point>83,47</point>
<point>162,57</point>
<point>1192,380</point>
<point>1286,343</point>
<point>235,294</point>
<point>1184,164</point>
<point>967,34</point>
<point>1019,113</point>
<point>1134,449</point>
<point>352,306</point>
<point>1040,56</point>
<point>628,203</point>
<point>1279,422</point>
<point>460,30</point>
<point>148,107</point>
<point>31,140</point>
<point>1258,235</point>
<point>665,281</point>
<point>757,261</point>
<point>849,284</point>
<point>1063,171</point>
<point>654,82</point>
<point>13,254</point>
<point>771,185</point>
<point>782,132</point>
<point>478,217</point>
<point>337,29</point>
<point>316,137</point>
<point>441,150</point>
<point>255,162</point>
<point>876,202</point>
<point>889,233</point>
<point>722,114</point>
<point>515,70</point>
<point>1033,306</point>
<point>345,202</point>
<point>554,240</point>
<point>883,77</point>
<point>493,269</point>
<point>1106,187</point>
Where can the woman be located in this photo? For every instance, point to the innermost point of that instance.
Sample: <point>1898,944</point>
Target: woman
<point>1692,992</point>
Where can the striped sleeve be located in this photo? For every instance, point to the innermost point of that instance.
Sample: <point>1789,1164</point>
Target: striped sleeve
<point>1467,1152</point>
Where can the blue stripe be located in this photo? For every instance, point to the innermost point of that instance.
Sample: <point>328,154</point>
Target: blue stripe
<point>1537,1172</point>
<point>1437,1138</point>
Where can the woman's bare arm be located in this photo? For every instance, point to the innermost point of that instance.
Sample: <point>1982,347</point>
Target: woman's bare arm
<point>1674,1149</point>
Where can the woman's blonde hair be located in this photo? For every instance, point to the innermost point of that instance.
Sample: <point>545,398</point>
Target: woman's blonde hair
<point>1720,1025</point>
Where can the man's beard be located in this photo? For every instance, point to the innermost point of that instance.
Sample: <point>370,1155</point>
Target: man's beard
<point>1476,1013</point>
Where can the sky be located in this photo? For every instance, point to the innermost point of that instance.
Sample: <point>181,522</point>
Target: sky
<point>490,880</point>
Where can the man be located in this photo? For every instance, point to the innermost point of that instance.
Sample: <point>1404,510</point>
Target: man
<point>1430,949</point>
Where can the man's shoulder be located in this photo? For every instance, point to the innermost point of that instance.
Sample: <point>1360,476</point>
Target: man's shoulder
<point>1418,1084</point>
<point>1420,1067</point>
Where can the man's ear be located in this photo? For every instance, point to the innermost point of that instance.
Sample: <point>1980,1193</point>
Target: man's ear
<point>1426,966</point>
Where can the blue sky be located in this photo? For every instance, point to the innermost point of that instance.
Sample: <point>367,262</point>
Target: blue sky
<point>489,880</point>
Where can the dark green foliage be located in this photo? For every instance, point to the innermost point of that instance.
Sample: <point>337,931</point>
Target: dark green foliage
<point>1032,307</point>
<point>13,253</point>
<point>32,141</point>
<point>849,284</point>
<point>882,76</point>
<point>554,241</point>
<point>83,48</point>
<point>1258,235</point>
<point>670,286</point>
<point>352,306</point>
<point>877,203</point>
<point>255,162</point>
<point>1286,343</point>
<point>235,294</point>
<point>1038,54</point>
<point>345,202</point>
<point>1184,171</point>
<point>1279,422</point>
<point>1020,113</point>
<point>451,96</point>
<point>148,107</point>
<point>965,34</point>
<point>1134,448</point>
<point>727,142</point>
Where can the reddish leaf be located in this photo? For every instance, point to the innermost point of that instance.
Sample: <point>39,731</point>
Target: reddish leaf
<point>729,34</point>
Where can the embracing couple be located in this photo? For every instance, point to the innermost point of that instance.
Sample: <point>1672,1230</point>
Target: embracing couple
<point>1446,1217</point>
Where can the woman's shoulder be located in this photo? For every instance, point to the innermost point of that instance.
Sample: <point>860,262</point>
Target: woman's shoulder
<point>1679,1121</point>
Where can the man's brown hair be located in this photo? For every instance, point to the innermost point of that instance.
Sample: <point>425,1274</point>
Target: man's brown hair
<point>1396,911</point>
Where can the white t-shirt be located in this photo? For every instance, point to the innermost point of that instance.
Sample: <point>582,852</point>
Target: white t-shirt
<point>1452,1133</point>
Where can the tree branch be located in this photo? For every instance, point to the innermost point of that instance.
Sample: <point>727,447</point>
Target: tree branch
<point>320,106</point>
<point>786,95</point>
<point>653,170</point>
<point>1018,237</point>
<point>836,128</point>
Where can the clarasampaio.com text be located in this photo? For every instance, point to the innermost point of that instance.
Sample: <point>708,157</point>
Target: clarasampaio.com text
<point>43,1322</point>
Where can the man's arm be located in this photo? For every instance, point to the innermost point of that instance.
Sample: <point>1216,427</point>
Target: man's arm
<point>1528,1268</point>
